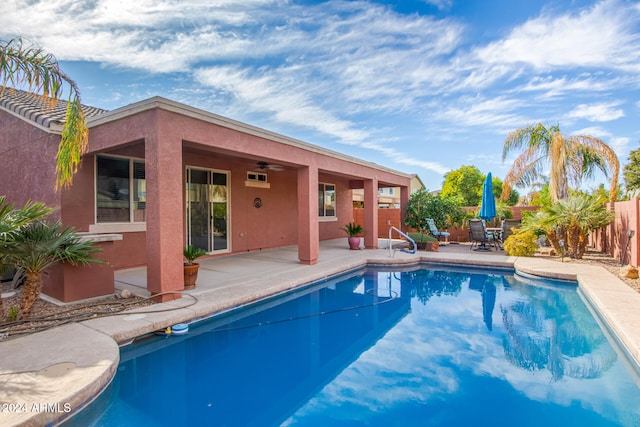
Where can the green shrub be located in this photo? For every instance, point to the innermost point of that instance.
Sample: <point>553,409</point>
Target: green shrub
<point>422,240</point>
<point>419,237</point>
<point>13,313</point>
<point>522,243</point>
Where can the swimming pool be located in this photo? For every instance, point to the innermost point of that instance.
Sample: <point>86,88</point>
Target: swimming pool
<point>424,346</point>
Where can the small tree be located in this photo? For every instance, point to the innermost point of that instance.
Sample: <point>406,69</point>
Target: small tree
<point>574,217</point>
<point>37,246</point>
<point>464,185</point>
<point>631,171</point>
<point>513,197</point>
<point>424,205</point>
<point>580,214</point>
<point>12,219</point>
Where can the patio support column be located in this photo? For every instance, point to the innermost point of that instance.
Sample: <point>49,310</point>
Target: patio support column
<point>308,232</point>
<point>164,208</point>
<point>371,213</point>
<point>404,201</point>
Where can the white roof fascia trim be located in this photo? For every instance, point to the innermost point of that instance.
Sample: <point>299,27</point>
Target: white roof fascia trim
<point>196,113</point>
<point>33,123</point>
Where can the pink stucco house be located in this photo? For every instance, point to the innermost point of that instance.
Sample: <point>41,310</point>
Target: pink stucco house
<point>159,174</point>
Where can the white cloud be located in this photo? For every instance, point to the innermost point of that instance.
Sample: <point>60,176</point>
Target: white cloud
<point>604,35</point>
<point>619,144</point>
<point>597,112</point>
<point>351,70</point>
<point>440,4</point>
<point>498,113</point>
<point>290,104</point>
<point>554,87</point>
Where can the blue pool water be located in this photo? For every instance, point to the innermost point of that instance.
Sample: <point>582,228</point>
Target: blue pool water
<point>428,347</point>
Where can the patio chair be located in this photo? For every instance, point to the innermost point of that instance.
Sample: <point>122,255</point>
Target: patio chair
<point>479,236</point>
<point>433,230</point>
<point>507,228</point>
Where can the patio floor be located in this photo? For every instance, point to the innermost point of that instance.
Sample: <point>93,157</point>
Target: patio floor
<point>218,273</point>
<point>69,365</point>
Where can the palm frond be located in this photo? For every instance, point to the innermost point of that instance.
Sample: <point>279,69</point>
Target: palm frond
<point>73,144</point>
<point>39,245</point>
<point>28,65</point>
<point>591,154</point>
<point>12,219</point>
<point>517,139</point>
<point>525,170</point>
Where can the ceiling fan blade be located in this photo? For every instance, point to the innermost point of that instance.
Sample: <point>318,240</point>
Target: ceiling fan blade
<point>273,167</point>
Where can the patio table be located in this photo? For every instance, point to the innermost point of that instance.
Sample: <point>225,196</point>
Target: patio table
<point>496,232</point>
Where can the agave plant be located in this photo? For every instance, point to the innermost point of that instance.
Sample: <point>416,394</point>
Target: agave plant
<point>37,246</point>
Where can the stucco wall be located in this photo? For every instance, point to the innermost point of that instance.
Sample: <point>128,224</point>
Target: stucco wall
<point>28,163</point>
<point>613,239</point>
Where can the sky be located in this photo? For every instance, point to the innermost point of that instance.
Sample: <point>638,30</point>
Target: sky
<point>419,86</point>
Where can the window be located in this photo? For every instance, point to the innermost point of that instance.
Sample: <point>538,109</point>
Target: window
<point>121,192</point>
<point>326,200</point>
<point>256,176</point>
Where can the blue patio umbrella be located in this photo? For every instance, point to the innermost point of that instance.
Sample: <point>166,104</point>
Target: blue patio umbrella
<point>488,206</point>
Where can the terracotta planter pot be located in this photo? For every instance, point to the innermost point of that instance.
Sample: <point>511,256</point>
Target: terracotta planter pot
<point>354,243</point>
<point>432,246</point>
<point>190,275</point>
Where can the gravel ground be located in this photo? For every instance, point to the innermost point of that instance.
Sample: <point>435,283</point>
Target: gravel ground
<point>611,264</point>
<point>46,314</point>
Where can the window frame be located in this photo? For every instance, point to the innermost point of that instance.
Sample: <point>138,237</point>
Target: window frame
<point>325,217</point>
<point>122,226</point>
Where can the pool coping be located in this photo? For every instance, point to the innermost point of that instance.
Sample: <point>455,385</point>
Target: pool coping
<point>81,359</point>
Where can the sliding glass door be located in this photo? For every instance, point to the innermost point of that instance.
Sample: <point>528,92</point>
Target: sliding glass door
<point>208,209</point>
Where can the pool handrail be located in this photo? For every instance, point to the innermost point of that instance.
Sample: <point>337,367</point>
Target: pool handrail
<point>403,234</point>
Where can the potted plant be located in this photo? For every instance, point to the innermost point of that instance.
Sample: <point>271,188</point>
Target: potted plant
<point>353,231</point>
<point>191,253</point>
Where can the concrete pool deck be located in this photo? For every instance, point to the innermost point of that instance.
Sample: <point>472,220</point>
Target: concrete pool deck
<point>46,376</point>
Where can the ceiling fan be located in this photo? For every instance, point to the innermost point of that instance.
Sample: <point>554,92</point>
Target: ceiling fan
<point>268,166</point>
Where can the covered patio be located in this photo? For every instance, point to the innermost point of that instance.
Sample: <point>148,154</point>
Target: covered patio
<point>159,175</point>
<point>247,189</point>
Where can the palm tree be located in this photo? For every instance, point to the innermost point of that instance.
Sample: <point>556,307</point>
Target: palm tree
<point>576,216</point>
<point>12,219</point>
<point>39,245</point>
<point>27,65</point>
<point>570,158</point>
<point>580,214</point>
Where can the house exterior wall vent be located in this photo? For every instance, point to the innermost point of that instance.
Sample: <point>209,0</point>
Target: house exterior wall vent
<point>257,179</point>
